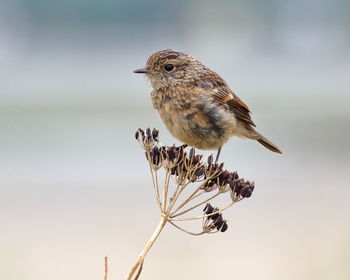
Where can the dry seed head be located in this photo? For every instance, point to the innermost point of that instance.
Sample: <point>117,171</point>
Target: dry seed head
<point>214,221</point>
<point>188,168</point>
<point>147,139</point>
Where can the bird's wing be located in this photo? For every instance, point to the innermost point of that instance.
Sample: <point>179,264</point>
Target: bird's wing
<point>240,109</point>
<point>216,86</point>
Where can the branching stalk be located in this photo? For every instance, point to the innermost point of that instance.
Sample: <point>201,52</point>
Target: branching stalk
<point>187,170</point>
<point>203,216</point>
<point>195,206</point>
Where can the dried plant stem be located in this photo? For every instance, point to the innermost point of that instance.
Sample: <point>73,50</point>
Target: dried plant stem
<point>178,191</point>
<point>138,273</point>
<point>187,200</point>
<point>148,246</point>
<point>184,230</point>
<point>155,183</point>
<point>166,188</point>
<point>203,216</point>
<point>157,186</point>
<point>105,277</point>
<point>195,206</point>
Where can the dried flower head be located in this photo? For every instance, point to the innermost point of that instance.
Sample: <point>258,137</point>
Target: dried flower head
<point>186,171</point>
<point>183,182</point>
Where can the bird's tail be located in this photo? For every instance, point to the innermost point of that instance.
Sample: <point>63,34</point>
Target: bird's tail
<point>266,143</point>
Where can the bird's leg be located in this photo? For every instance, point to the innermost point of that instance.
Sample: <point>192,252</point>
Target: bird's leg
<point>217,155</point>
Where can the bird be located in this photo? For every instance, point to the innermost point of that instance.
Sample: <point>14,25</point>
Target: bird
<point>196,104</point>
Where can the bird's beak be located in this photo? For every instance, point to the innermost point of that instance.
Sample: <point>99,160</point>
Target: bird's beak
<point>141,71</point>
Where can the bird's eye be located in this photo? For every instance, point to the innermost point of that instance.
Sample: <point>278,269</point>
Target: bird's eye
<point>169,67</point>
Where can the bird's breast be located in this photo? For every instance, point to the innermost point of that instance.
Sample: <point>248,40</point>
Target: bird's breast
<point>195,120</point>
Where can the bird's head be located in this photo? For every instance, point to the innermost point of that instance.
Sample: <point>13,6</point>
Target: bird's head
<point>167,68</point>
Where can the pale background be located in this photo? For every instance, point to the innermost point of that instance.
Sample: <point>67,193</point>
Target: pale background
<point>74,185</point>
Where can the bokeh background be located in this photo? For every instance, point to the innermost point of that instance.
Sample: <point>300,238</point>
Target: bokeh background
<point>74,185</point>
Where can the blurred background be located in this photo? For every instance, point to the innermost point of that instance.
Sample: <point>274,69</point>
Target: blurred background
<point>74,183</point>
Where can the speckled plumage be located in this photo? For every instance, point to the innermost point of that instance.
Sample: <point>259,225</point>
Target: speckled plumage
<point>196,104</point>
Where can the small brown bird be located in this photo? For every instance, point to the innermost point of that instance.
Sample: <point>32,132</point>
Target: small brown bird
<point>196,104</point>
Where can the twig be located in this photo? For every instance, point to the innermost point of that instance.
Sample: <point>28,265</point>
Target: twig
<point>184,230</point>
<point>139,271</point>
<point>145,250</point>
<point>203,216</point>
<point>105,277</point>
<point>155,183</point>
<point>195,206</point>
